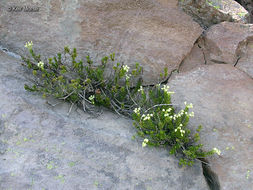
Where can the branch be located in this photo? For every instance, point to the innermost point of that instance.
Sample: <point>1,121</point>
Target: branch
<point>158,105</point>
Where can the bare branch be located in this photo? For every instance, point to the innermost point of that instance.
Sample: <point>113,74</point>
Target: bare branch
<point>157,105</point>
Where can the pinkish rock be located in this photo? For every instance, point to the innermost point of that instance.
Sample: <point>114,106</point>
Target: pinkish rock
<point>245,63</point>
<point>223,105</point>
<point>195,58</point>
<point>224,42</point>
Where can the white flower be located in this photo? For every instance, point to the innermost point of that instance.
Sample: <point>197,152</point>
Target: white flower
<point>29,45</point>
<point>217,151</point>
<point>146,117</point>
<point>137,110</point>
<point>128,76</point>
<point>144,143</point>
<point>166,115</point>
<point>41,65</point>
<point>191,114</point>
<point>126,68</point>
<point>182,132</point>
<point>190,105</point>
<point>165,88</point>
<point>178,128</point>
<point>140,89</point>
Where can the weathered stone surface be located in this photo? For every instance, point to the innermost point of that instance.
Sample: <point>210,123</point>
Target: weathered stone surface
<point>47,149</point>
<point>195,58</point>
<point>227,42</point>
<point>155,33</point>
<point>245,63</point>
<point>224,43</point>
<point>223,104</point>
<point>209,12</point>
<point>248,5</point>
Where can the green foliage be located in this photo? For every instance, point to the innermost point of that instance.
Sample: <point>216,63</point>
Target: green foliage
<point>162,125</point>
<point>87,85</point>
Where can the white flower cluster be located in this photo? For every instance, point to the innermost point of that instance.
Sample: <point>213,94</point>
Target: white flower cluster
<point>165,88</point>
<point>180,129</point>
<point>128,76</point>
<point>217,151</point>
<point>191,114</point>
<point>41,65</point>
<point>126,68</point>
<point>140,89</point>
<point>166,112</point>
<point>144,143</point>
<point>188,105</point>
<point>137,110</point>
<point>29,45</point>
<point>178,115</point>
<point>146,117</point>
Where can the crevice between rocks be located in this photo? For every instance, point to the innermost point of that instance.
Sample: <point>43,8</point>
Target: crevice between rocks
<point>211,177</point>
<point>237,60</point>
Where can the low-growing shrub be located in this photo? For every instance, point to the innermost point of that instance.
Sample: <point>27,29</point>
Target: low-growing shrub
<point>87,85</point>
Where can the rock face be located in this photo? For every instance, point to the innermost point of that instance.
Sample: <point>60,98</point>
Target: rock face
<point>229,43</point>
<point>248,5</point>
<point>223,104</point>
<point>195,58</point>
<point>245,63</point>
<point>155,33</point>
<point>224,43</point>
<point>209,12</point>
<point>42,148</point>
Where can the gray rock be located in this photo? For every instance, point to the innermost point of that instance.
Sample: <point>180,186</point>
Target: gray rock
<point>3,147</point>
<point>155,33</point>
<point>223,104</point>
<point>47,149</point>
<point>248,5</point>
